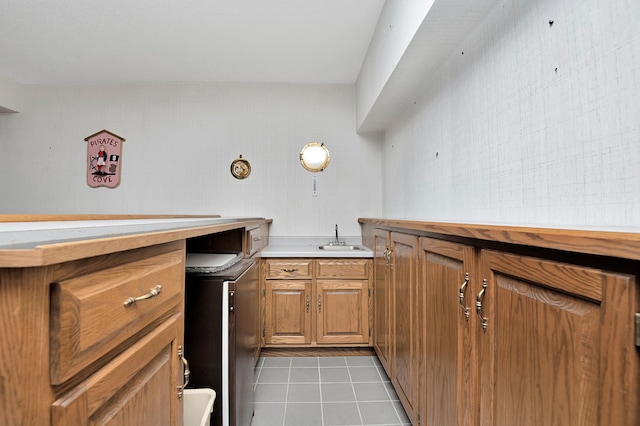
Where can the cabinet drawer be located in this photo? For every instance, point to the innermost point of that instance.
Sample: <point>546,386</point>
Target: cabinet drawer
<point>343,268</point>
<point>289,268</point>
<point>89,316</point>
<point>137,387</point>
<point>256,240</point>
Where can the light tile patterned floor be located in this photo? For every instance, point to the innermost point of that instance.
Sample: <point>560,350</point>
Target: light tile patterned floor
<point>323,391</point>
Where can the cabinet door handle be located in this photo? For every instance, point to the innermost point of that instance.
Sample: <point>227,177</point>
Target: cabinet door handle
<point>463,287</point>
<point>187,372</point>
<point>289,269</point>
<point>386,258</point>
<point>479,299</point>
<point>307,303</point>
<point>152,293</point>
<point>319,303</point>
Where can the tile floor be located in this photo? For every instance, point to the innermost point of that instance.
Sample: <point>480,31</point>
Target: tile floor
<point>322,391</point>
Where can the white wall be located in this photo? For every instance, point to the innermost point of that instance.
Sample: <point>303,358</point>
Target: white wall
<point>11,96</point>
<point>534,124</point>
<point>180,142</point>
<point>398,23</point>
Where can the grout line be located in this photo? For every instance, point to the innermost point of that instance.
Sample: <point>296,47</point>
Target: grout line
<point>353,389</point>
<point>286,394</point>
<point>320,390</point>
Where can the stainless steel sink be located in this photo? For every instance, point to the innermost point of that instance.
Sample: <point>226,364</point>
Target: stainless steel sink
<point>339,247</point>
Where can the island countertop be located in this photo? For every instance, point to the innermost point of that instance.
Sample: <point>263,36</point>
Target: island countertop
<point>40,243</point>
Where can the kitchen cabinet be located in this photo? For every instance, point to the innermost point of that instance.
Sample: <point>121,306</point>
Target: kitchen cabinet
<point>398,314</point>
<point>109,330</point>
<point>342,294</point>
<point>256,238</point>
<point>311,302</point>
<point>447,270</point>
<point>382,298</point>
<point>91,328</point>
<point>406,323</point>
<point>517,326</point>
<point>137,387</point>
<point>555,343</point>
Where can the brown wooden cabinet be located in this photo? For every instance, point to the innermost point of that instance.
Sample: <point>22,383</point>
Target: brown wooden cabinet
<point>447,270</point>
<point>557,343</point>
<point>91,328</point>
<point>509,334</point>
<point>398,314</point>
<point>287,317</point>
<point>137,387</point>
<point>95,355</point>
<point>321,302</point>
<point>382,298</point>
<point>256,238</point>
<point>406,323</point>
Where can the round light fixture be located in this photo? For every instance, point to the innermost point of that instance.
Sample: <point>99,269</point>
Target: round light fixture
<point>314,157</point>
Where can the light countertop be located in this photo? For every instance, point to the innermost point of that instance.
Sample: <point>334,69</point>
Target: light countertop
<point>308,247</point>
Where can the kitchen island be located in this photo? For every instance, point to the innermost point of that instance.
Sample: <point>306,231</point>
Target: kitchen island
<point>91,315</point>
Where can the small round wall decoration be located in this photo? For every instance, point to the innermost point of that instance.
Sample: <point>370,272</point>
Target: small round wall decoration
<point>240,168</point>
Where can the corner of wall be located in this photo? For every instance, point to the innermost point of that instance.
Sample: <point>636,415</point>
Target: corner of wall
<point>11,96</point>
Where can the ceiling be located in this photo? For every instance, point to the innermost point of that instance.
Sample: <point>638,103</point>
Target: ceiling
<point>100,41</point>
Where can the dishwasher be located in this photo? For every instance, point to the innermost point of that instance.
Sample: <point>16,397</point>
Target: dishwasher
<point>221,336</point>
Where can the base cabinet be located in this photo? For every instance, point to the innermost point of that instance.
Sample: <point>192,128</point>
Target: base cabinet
<point>504,335</point>
<point>288,312</point>
<point>311,302</point>
<point>137,387</point>
<point>95,356</point>
<point>446,270</point>
<point>382,297</point>
<point>556,346</point>
<point>342,312</point>
<point>398,315</point>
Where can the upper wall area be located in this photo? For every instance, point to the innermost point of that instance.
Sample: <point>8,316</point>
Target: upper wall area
<point>410,41</point>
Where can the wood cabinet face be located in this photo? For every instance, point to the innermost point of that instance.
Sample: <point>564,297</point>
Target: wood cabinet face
<point>342,308</point>
<point>382,299</point>
<point>288,312</point>
<point>89,317</point>
<point>138,387</point>
<point>406,323</point>
<point>558,337</point>
<point>316,301</point>
<point>447,351</point>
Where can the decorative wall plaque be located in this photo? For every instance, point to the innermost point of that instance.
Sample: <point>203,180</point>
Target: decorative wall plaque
<point>104,159</point>
<point>240,168</point>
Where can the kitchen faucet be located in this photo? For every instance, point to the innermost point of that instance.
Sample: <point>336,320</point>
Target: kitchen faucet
<point>337,242</point>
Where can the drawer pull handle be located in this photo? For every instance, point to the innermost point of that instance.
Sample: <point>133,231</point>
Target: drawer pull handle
<point>462,289</point>
<point>256,238</point>
<point>152,293</point>
<point>289,269</point>
<point>479,299</point>
<point>187,372</point>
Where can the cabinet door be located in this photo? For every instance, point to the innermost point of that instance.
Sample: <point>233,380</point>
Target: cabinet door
<point>448,303</point>
<point>558,344</point>
<point>288,312</point>
<point>382,299</point>
<point>406,323</point>
<point>140,386</point>
<point>343,311</point>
